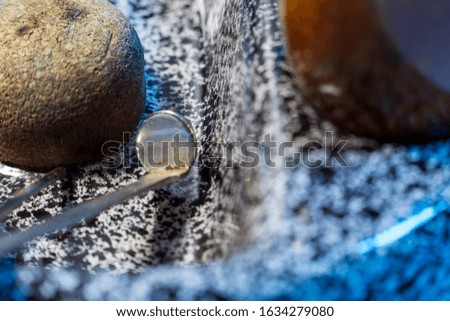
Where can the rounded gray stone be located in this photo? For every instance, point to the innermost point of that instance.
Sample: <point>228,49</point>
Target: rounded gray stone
<point>71,78</point>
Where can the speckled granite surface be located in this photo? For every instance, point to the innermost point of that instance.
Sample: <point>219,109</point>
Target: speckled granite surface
<point>236,233</point>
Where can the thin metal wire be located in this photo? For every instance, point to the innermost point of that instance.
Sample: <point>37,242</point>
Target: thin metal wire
<point>89,210</point>
<point>23,194</point>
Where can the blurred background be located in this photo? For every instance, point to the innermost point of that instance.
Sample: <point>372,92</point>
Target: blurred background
<point>234,233</point>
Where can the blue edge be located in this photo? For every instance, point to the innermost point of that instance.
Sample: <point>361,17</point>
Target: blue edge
<point>8,286</point>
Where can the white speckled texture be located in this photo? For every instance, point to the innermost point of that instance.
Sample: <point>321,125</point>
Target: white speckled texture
<point>274,233</point>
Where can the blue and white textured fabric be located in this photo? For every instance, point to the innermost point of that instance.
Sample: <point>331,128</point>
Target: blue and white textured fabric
<point>228,232</point>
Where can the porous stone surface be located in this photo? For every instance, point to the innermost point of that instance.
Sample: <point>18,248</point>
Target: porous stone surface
<point>71,78</point>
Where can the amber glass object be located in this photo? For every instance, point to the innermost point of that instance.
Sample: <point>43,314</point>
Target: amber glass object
<point>378,68</point>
